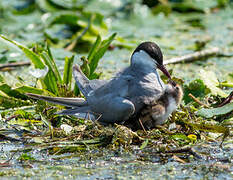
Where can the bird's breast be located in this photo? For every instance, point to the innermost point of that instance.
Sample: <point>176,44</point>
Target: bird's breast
<point>151,84</point>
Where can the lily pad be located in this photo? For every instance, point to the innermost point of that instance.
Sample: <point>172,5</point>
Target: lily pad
<point>210,80</point>
<point>209,113</point>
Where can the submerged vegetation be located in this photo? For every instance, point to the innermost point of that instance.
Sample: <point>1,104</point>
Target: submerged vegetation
<point>52,35</point>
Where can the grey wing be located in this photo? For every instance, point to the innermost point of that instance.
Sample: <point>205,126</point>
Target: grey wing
<point>96,83</point>
<point>85,85</point>
<point>71,102</point>
<point>118,86</point>
<point>113,109</point>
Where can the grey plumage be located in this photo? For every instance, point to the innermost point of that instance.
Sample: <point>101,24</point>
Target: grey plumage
<point>85,85</point>
<point>118,99</point>
<point>158,110</point>
<point>70,102</point>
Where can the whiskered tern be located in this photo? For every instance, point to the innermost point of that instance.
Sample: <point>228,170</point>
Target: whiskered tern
<point>122,97</point>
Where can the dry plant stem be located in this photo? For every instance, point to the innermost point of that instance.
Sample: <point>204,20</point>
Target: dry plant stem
<point>17,64</point>
<point>194,56</point>
<point>227,100</point>
<point>12,117</point>
<point>178,159</point>
<point>197,101</point>
<point>142,125</point>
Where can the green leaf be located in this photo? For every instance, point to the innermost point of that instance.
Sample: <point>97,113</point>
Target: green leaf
<point>210,80</point>
<point>196,88</point>
<point>99,54</point>
<point>144,144</point>
<point>209,113</point>
<point>97,26</point>
<point>50,83</point>
<point>35,59</point>
<point>9,102</point>
<point>6,89</point>
<point>227,84</point>
<point>28,89</point>
<point>45,6</point>
<point>179,137</point>
<point>67,75</point>
<point>67,4</point>
<point>52,66</point>
<point>94,48</point>
<point>211,128</point>
<point>68,18</point>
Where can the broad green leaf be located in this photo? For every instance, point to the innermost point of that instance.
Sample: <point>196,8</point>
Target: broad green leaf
<point>144,144</point>
<point>6,89</point>
<point>179,137</point>
<point>227,84</point>
<point>45,6</point>
<point>50,83</point>
<point>28,89</point>
<point>35,59</point>
<point>52,66</point>
<point>94,48</point>
<point>3,94</point>
<point>9,102</point>
<point>210,128</point>
<point>196,88</point>
<point>209,113</point>
<point>68,18</point>
<point>76,90</point>
<point>55,68</point>
<point>210,80</point>
<point>67,75</point>
<point>99,54</point>
<point>97,25</point>
<point>2,79</point>
<point>68,4</point>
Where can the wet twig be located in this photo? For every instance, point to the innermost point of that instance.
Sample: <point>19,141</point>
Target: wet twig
<point>184,150</point>
<point>194,56</point>
<point>197,100</point>
<point>227,100</point>
<point>178,159</point>
<point>141,124</point>
<point>12,65</point>
<point>12,117</point>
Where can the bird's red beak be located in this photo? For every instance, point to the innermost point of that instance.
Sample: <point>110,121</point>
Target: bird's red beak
<point>164,70</point>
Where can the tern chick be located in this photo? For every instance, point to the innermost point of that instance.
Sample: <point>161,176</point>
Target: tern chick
<point>157,111</point>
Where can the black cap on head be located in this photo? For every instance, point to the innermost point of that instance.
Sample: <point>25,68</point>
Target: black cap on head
<point>155,53</point>
<point>151,49</point>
